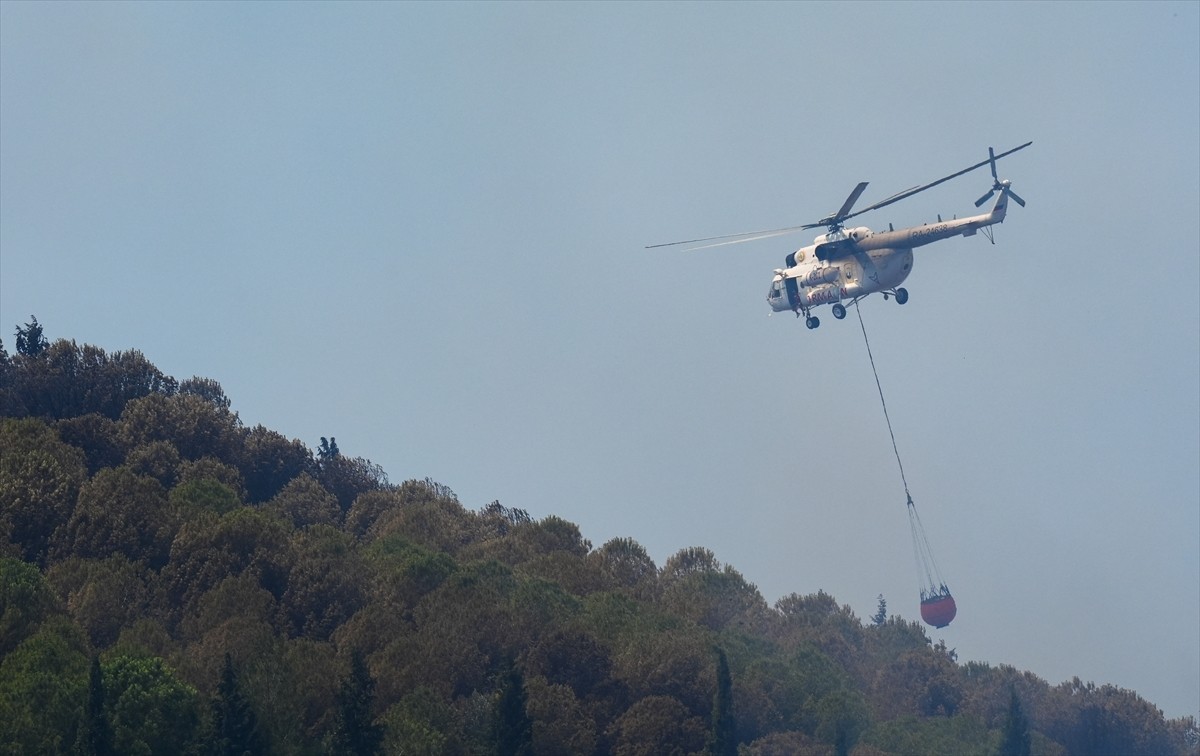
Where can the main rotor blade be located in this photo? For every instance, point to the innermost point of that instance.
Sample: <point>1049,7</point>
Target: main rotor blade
<point>849,203</point>
<point>756,237</point>
<point>732,238</point>
<point>910,192</point>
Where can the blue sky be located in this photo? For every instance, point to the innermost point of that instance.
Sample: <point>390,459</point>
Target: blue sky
<point>420,228</point>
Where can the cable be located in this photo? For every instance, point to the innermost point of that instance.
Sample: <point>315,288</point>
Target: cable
<point>882,402</point>
<point>926,565</point>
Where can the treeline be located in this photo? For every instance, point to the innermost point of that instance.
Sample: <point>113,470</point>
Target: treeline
<point>172,581</point>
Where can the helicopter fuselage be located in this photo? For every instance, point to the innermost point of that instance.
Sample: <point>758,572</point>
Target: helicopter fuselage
<point>848,264</point>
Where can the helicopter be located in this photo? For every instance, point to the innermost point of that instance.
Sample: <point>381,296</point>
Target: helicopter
<point>846,265</point>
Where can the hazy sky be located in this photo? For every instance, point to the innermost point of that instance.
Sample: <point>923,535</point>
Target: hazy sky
<point>419,228</point>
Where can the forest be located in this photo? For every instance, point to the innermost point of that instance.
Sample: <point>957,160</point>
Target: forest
<point>174,582</point>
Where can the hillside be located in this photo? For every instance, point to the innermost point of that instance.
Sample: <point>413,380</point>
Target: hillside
<point>172,581</point>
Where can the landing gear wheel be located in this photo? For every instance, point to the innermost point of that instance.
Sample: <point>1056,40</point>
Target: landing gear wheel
<point>901,296</point>
<point>812,322</point>
<point>839,311</point>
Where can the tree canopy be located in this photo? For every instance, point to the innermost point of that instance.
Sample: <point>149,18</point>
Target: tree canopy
<point>172,581</point>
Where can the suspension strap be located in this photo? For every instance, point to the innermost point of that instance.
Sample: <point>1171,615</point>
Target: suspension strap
<point>882,402</point>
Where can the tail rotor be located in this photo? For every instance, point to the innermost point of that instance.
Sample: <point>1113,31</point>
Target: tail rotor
<point>997,184</point>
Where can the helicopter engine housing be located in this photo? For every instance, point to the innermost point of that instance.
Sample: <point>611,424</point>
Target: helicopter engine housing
<point>818,276</point>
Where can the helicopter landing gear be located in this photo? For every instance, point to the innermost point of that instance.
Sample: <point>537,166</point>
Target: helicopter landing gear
<point>812,322</point>
<point>901,296</point>
<point>839,311</point>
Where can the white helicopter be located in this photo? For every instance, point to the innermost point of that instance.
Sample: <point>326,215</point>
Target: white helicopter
<point>847,265</point>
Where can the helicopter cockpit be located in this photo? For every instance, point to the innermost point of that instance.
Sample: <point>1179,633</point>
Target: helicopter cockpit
<point>777,295</point>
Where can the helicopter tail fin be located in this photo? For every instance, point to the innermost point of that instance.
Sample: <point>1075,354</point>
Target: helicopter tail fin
<point>1000,209</point>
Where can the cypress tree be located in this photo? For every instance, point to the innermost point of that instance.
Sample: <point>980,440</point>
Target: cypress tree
<point>723,737</point>
<point>355,732</point>
<point>513,728</point>
<point>1014,738</point>
<point>95,736</point>
<point>235,728</point>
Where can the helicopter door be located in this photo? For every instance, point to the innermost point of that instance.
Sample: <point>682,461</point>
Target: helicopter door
<point>793,292</point>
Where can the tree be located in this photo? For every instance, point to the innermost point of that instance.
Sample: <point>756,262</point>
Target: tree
<point>513,729</point>
<point>723,736</point>
<point>235,728</point>
<point>194,425</point>
<point>95,736</point>
<point>657,725</point>
<point>68,380</point>
<point>207,389</point>
<point>150,710</point>
<point>328,449</point>
<point>269,460</point>
<point>43,686</point>
<point>561,723</point>
<point>325,586</point>
<point>207,550</point>
<point>355,732</point>
<point>843,717</point>
<point>625,565</point>
<point>30,340</point>
<point>880,616</point>
<point>1014,738</point>
<point>26,601</point>
<point>119,512</point>
<point>40,479</point>
<point>96,436</point>
<point>103,596</point>
<point>304,502</point>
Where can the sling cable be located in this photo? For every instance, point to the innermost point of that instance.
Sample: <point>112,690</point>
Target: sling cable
<point>937,605</point>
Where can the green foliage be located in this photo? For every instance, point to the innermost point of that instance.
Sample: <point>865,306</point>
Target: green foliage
<point>43,690</point>
<point>192,498</point>
<point>102,595</point>
<point>30,340</point>
<point>119,512</point>
<point>235,729</point>
<point>206,550</point>
<point>841,718</point>
<point>1014,737</point>
<point>723,735</point>
<point>194,425</point>
<point>221,575</point>
<point>355,732</point>
<point>25,602</point>
<point>269,461</point>
<point>513,728</point>
<point>880,616</point>
<point>305,502</point>
<point>958,735</point>
<point>657,725</point>
<point>65,380</point>
<point>95,733</point>
<point>424,724</point>
<point>149,709</point>
<point>40,478</point>
<point>560,720</point>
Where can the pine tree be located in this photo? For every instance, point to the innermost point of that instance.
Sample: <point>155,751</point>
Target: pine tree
<point>235,728</point>
<point>355,733</point>
<point>1014,739</point>
<point>723,737</point>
